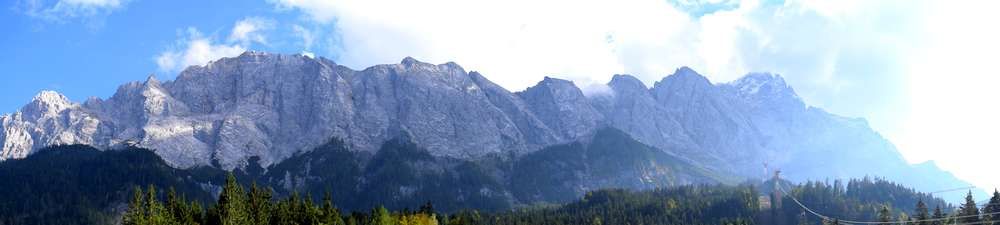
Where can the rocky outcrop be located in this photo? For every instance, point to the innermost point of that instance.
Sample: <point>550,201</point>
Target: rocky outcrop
<point>272,106</point>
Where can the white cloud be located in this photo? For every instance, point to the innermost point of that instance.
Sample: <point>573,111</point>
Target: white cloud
<point>953,92</point>
<point>62,10</point>
<point>195,49</point>
<point>925,89</point>
<point>308,38</point>
<point>250,30</point>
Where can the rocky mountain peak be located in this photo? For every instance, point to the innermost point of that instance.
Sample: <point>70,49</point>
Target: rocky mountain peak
<point>687,77</point>
<point>409,61</point>
<point>563,107</point>
<point>683,85</point>
<point>274,106</point>
<point>623,82</point>
<point>46,103</point>
<point>765,89</point>
<point>151,80</point>
<point>755,83</point>
<point>559,90</point>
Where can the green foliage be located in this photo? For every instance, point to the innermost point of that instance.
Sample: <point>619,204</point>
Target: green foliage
<point>863,199</point>
<point>921,214</point>
<point>969,212</point>
<point>991,208</point>
<point>679,205</point>
<point>77,184</point>
<point>884,215</point>
<point>235,206</point>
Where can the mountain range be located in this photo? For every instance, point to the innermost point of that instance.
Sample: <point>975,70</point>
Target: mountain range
<point>261,109</point>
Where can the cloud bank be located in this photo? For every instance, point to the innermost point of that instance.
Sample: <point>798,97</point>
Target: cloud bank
<point>892,62</point>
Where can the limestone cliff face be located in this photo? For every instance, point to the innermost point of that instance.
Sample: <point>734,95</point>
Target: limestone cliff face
<point>274,106</point>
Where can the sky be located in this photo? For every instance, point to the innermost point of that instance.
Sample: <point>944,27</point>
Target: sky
<point>922,73</point>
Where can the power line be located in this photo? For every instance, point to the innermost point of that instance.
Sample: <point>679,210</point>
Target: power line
<point>950,190</point>
<point>872,222</point>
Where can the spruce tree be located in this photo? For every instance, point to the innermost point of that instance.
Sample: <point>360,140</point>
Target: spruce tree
<point>156,213</point>
<point>969,212</point>
<point>938,216</point>
<point>232,206</point>
<point>884,215</point>
<point>259,204</point>
<point>921,214</point>
<point>331,215</point>
<point>991,209</point>
<point>135,215</point>
<point>380,216</point>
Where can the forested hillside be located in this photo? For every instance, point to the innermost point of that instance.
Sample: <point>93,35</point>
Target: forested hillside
<point>570,184</point>
<point>689,204</point>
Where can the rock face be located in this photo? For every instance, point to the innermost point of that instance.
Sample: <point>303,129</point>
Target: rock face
<point>274,106</point>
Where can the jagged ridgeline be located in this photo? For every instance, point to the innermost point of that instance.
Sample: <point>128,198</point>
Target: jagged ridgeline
<point>403,134</point>
<point>272,107</point>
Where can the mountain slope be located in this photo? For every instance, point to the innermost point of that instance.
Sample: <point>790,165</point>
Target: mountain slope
<point>270,107</point>
<point>81,185</point>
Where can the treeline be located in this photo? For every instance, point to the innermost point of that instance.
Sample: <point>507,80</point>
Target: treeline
<point>237,206</point>
<point>77,184</point>
<point>680,205</point>
<point>690,204</point>
<point>694,205</point>
<point>879,200</point>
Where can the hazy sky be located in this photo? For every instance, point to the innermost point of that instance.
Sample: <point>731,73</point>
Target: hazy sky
<point>921,72</point>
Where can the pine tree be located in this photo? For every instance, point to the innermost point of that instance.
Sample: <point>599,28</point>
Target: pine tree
<point>331,215</point>
<point>884,215</point>
<point>156,213</point>
<point>380,216</point>
<point>969,212</point>
<point>309,213</point>
<point>135,215</point>
<point>938,216</point>
<point>921,214</point>
<point>989,210</point>
<point>232,206</point>
<point>259,204</point>
<point>196,213</point>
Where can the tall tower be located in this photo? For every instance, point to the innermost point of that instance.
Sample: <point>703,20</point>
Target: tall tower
<point>776,196</point>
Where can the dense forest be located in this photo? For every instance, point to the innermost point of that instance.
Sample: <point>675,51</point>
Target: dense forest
<point>81,185</point>
<point>862,200</point>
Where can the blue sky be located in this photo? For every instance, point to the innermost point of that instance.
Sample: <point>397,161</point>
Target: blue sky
<point>82,56</point>
<point>921,72</point>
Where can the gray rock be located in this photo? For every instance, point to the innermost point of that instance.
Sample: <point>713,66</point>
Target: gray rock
<point>273,106</point>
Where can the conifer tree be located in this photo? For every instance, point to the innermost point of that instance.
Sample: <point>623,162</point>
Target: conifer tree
<point>331,215</point>
<point>380,216</point>
<point>884,215</point>
<point>309,213</point>
<point>232,206</point>
<point>921,214</point>
<point>156,213</point>
<point>135,215</point>
<point>991,208</point>
<point>259,204</point>
<point>938,215</point>
<point>969,212</point>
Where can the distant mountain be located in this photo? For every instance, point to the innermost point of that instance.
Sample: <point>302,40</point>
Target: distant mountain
<point>272,107</point>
